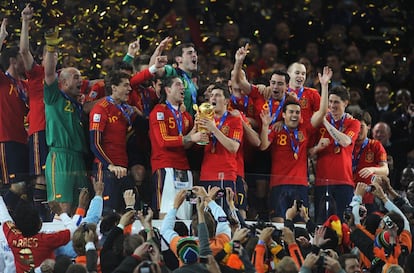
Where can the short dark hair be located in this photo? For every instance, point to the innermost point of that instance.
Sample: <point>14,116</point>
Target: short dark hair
<point>178,51</point>
<point>290,102</point>
<point>114,78</point>
<point>364,116</point>
<point>122,66</point>
<point>345,257</point>
<point>166,82</point>
<point>383,84</point>
<point>282,73</point>
<point>27,219</point>
<point>222,86</point>
<point>341,91</point>
<point>6,54</point>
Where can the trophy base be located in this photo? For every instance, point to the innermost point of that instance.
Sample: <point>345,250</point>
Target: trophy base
<point>203,143</point>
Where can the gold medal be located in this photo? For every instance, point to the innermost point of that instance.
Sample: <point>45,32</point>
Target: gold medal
<point>337,150</point>
<point>295,155</point>
<point>265,106</point>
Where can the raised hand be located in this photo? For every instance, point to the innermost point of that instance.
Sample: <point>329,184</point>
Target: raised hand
<point>326,76</point>
<point>3,29</point>
<point>27,13</point>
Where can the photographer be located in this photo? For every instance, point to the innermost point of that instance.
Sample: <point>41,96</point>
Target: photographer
<point>323,262</point>
<point>218,234</point>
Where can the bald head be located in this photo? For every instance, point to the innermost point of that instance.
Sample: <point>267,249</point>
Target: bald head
<point>382,132</point>
<point>70,81</point>
<point>297,73</point>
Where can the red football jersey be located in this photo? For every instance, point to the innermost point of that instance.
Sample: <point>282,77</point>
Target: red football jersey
<point>166,143</point>
<point>12,111</point>
<point>36,116</point>
<point>30,252</point>
<point>244,104</point>
<point>371,156</point>
<point>286,169</point>
<point>219,160</point>
<point>309,102</point>
<point>106,118</point>
<point>260,104</point>
<point>336,168</point>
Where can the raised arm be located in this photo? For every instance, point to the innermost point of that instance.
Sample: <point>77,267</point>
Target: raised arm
<point>27,57</point>
<point>3,32</point>
<point>319,115</point>
<point>158,51</point>
<point>264,132</point>
<point>237,74</point>
<point>52,41</point>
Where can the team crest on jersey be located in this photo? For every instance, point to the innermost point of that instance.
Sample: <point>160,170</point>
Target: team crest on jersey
<point>303,103</point>
<point>93,94</point>
<point>160,116</point>
<point>300,136</point>
<point>350,134</point>
<point>225,130</point>
<point>369,157</point>
<point>96,117</point>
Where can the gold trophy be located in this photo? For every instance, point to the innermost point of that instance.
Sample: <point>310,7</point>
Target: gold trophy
<point>205,110</point>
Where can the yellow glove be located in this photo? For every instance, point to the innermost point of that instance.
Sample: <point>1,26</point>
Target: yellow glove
<point>52,39</point>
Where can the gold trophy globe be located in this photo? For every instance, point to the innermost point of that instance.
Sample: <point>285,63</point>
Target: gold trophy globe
<point>205,110</point>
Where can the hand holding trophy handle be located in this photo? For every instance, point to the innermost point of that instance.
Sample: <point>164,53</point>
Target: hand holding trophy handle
<point>205,110</point>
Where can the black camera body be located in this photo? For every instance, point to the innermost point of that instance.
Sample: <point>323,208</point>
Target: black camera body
<point>145,209</point>
<point>191,197</point>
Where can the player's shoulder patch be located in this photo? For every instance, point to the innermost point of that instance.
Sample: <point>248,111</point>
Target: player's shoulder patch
<point>160,116</point>
<point>93,94</point>
<point>96,117</point>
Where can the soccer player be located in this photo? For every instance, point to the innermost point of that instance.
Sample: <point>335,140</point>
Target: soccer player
<point>171,133</point>
<point>369,158</point>
<point>278,85</point>
<point>219,166</point>
<point>109,122</point>
<point>65,137</point>
<point>36,118</point>
<point>309,98</point>
<point>13,108</point>
<point>334,180</point>
<point>289,179</point>
<point>185,56</point>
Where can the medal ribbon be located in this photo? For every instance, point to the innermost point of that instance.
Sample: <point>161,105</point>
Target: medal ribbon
<point>295,148</point>
<point>178,118</point>
<point>355,160</point>
<point>300,93</point>
<point>341,124</point>
<point>145,97</point>
<point>222,120</point>
<point>245,103</point>
<point>125,109</point>
<point>279,108</point>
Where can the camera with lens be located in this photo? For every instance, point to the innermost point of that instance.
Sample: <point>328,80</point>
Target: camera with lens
<point>370,188</point>
<point>348,212</point>
<point>299,204</point>
<point>145,267</point>
<point>321,259</point>
<point>145,209</point>
<point>191,197</point>
<point>220,193</point>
